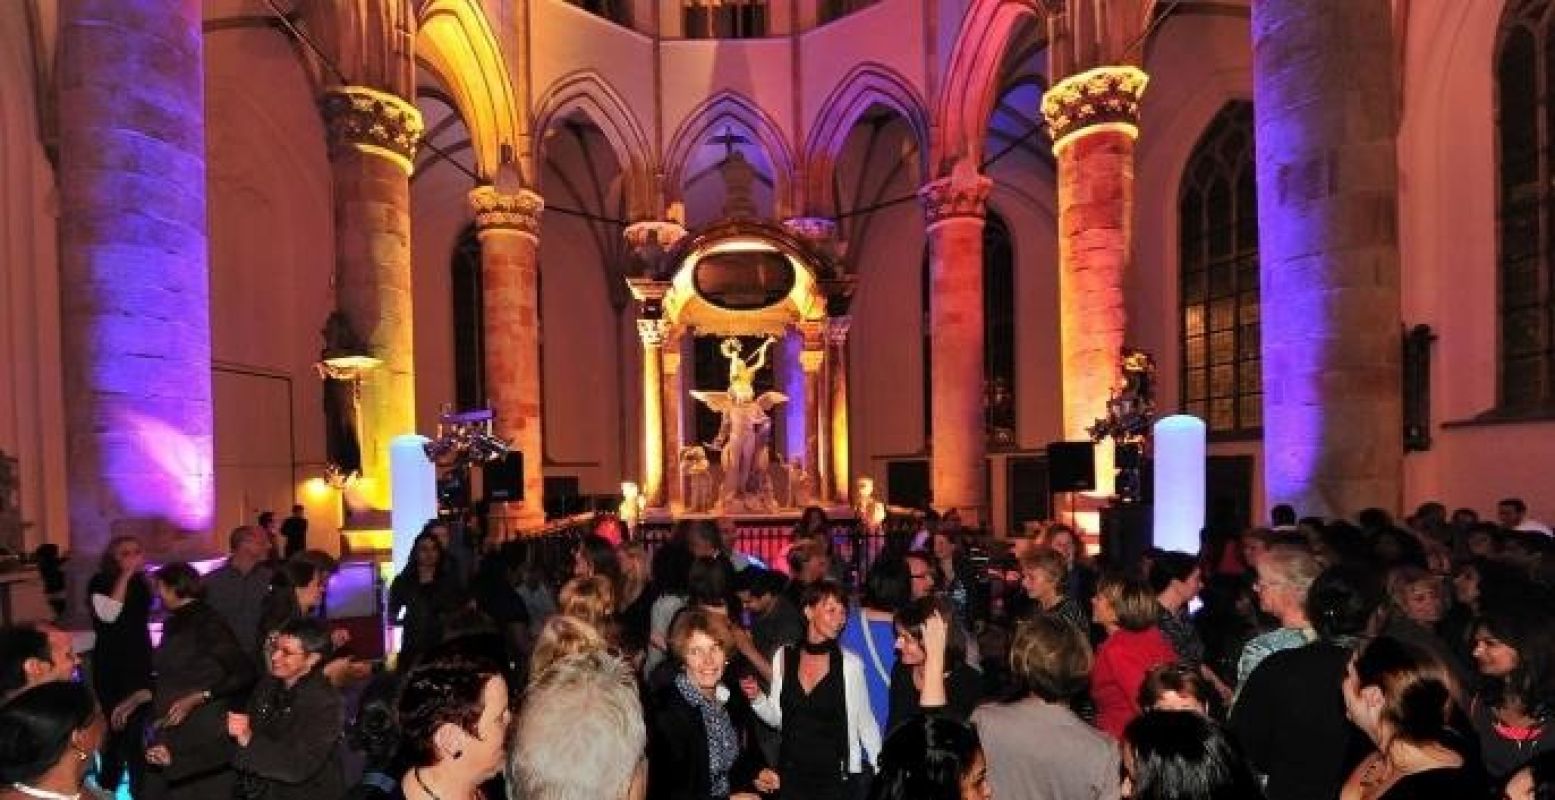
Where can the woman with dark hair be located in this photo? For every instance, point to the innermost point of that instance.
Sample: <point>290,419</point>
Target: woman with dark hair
<point>1401,697</point>
<point>957,579</point>
<point>288,740</point>
<point>672,574</point>
<point>453,714</point>
<point>1126,608</point>
<point>1050,662</point>
<point>812,522</point>
<point>701,737</point>
<point>426,592</point>
<point>1514,650</point>
<point>202,672</point>
<point>930,757</point>
<point>595,555</point>
<point>296,590</point>
<point>1535,781</point>
<point>871,633</point>
<point>120,604</point>
<point>48,737</point>
<point>1286,717</point>
<point>1180,755</point>
<point>1081,577</point>
<point>931,673</point>
<point>820,703</point>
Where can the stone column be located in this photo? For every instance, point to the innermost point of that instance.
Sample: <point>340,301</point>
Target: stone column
<point>1094,119</point>
<point>135,314</point>
<point>372,144</point>
<point>837,385</point>
<point>674,421</point>
<point>508,225</point>
<point>954,207</point>
<point>791,373</point>
<point>652,332</point>
<point>1325,94</point>
<point>812,361</point>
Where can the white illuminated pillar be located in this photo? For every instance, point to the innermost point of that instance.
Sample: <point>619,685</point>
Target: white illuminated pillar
<point>413,480</point>
<point>1179,482</point>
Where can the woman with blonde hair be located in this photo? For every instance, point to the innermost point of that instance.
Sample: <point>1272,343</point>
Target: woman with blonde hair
<point>563,636</point>
<point>1126,609</point>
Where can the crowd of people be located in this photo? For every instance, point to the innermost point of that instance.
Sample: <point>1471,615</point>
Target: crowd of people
<point>1364,660</point>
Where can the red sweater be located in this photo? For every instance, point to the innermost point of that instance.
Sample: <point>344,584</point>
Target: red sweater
<point>1121,664</point>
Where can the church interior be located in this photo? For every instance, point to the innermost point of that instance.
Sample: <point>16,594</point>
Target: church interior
<point>249,243</point>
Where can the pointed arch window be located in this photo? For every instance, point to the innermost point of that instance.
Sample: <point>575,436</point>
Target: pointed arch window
<point>1222,381</point>
<point>1525,206</point>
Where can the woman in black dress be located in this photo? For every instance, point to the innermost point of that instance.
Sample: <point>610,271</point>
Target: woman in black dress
<point>427,592</point>
<point>120,602</point>
<point>821,704</point>
<point>1401,697</point>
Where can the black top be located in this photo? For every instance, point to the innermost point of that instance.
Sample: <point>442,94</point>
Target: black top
<point>121,657</point>
<point>815,727</point>
<point>1453,783</point>
<point>294,750</point>
<point>677,747</point>
<point>294,530</point>
<point>426,605</point>
<point>1291,724</point>
<point>198,653</point>
<point>963,691</point>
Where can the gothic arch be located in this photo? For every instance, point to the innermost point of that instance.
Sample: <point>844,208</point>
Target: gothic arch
<point>455,42</point>
<point>587,91</point>
<point>866,85</point>
<point>971,85</point>
<point>732,106</point>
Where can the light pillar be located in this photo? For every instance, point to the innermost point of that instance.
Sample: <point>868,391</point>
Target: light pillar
<point>954,208</point>
<point>372,145</point>
<point>1094,119</point>
<point>508,226</point>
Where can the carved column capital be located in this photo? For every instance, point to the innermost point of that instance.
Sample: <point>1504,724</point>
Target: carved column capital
<point>664,232</point>
<point>372,121</point>
<point>1104,98</point>
<point>961,194</point>
<point>652,331</point>
<point>517,212</point>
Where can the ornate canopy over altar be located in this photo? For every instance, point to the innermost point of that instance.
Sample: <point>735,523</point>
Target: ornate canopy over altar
<point>745,278</point>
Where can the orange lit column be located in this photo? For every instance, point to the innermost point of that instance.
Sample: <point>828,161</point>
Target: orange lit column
<point>954,207</point>
<point>372,143</point>
<point>837,383</point>
<point>1094,118</point>
<point>508,225</point>
<point>652,332</point>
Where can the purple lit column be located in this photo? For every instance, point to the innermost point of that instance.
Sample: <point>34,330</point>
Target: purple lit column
<point>1325,92</point>
<point>135,293</point>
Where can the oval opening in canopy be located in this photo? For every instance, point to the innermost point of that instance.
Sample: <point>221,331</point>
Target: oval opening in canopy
<point>743,280</point>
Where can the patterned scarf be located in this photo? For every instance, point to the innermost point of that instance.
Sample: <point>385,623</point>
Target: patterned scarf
<point>722,743</point>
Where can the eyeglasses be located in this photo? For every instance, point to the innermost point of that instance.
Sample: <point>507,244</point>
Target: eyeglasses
<point>921,576</point>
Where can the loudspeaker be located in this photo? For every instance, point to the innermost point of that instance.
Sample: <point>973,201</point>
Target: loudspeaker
<point>1071,467</point>
<point>1126,533</point>
<point>504,478</point>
